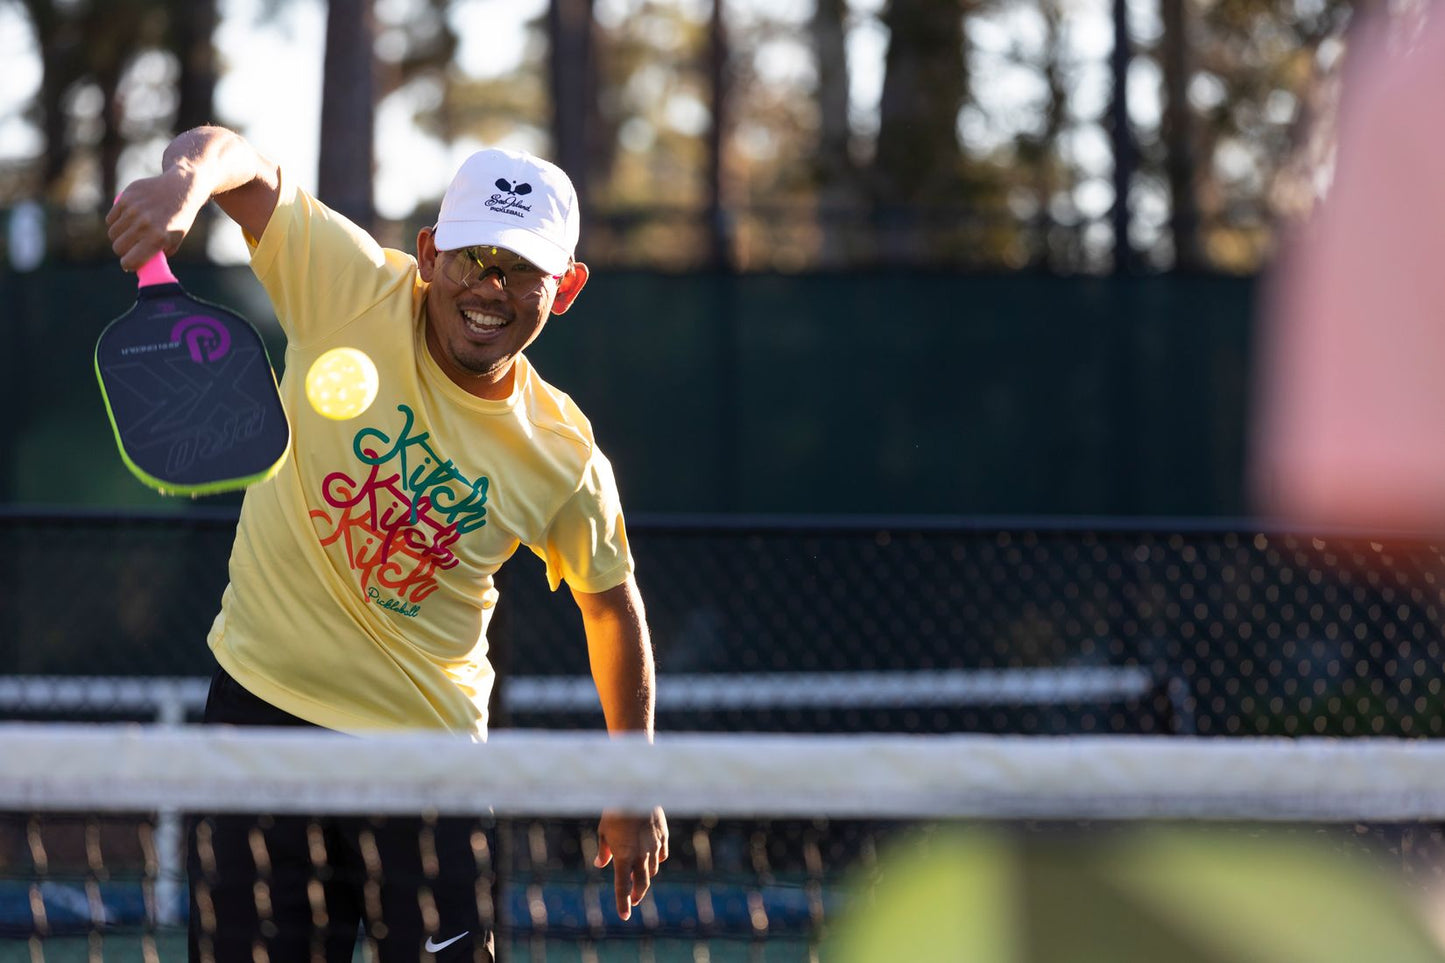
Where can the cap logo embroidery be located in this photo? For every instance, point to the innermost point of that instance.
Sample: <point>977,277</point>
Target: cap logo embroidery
<point>505,185</point>
<point>511,202</point>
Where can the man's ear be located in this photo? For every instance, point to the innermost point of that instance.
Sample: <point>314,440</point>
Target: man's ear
<point>426,253</point>
<point>569,287</point>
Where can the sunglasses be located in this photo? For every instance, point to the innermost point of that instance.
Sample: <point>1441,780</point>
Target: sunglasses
<point>467,266</point>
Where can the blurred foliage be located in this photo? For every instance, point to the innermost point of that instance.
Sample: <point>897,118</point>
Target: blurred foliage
<point>1258,61</point>
<point>987,147</point>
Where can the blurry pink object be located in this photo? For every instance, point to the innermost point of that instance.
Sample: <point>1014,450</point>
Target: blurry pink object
<point>1351,428</point>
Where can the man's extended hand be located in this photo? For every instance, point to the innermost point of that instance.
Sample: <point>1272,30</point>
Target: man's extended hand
<point>639,846</point>
<point>153,214</point>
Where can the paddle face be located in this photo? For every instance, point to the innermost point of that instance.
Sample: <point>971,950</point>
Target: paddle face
<point>190,393</point>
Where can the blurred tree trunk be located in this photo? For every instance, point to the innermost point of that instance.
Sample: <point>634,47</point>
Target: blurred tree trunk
<point>918,161</point>
<point>60,57</point>
<point>348,111</point>
<point>191,37</point>
<point>572,68</point>
<point>111,141</point>
<point>719,219</point>
<point>192,32</point>
<point>1053,245</point>
<point>111,39</point>
<point>1121,136</point>
<point>839,200</point>
<point>1180,143</point>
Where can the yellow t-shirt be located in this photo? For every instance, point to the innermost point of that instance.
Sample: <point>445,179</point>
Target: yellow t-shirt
<point>361,575</point>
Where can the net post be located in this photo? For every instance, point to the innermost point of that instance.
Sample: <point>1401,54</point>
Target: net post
<point>1181,705</point>
<point>170,826</point>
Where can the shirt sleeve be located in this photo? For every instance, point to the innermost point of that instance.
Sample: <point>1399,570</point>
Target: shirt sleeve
<point>586,544</point>
<point>319,269</point>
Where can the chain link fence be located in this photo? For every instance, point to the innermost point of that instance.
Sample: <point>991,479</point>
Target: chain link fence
<point>837,625</point>
<point>846,625</point>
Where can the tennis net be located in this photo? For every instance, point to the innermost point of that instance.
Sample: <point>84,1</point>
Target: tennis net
<point>783,847</point>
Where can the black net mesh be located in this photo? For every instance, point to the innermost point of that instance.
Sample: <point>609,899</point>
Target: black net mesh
<point>78,887</point>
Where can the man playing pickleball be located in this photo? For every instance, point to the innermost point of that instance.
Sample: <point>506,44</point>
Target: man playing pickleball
<point>361,579</point>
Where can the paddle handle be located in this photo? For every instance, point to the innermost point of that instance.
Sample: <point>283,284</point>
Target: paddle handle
<point>155,271</point>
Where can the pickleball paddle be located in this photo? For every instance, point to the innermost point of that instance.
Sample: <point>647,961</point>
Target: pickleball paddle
<point>190,391</point>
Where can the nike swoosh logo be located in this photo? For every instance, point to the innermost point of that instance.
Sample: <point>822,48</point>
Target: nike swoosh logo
<point>432,946</point>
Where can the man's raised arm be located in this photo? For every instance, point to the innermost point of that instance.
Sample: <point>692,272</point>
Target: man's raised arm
<point>207,163</point>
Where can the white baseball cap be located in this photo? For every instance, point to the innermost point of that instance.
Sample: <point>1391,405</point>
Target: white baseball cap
<point>511,199</point>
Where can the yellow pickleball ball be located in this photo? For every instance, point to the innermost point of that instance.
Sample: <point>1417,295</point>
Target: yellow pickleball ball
<point>342,383</point>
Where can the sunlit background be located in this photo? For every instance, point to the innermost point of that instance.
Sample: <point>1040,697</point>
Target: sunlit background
<point>755,135</point>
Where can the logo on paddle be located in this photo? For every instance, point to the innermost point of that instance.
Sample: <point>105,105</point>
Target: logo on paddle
<point>204,338</point>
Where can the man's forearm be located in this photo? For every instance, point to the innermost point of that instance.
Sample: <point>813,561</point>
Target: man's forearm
<point>217,159</point>
<point>217,164</point>
<point>623,671</point>
<point>620,652</point>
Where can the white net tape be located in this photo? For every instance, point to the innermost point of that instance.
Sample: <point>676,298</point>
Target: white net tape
<point>141,767</point>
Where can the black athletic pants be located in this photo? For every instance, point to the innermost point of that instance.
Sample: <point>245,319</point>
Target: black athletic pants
<point>300,889</point>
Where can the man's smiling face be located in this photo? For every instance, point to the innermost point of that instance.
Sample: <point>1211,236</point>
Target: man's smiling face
<point>484,306</point>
